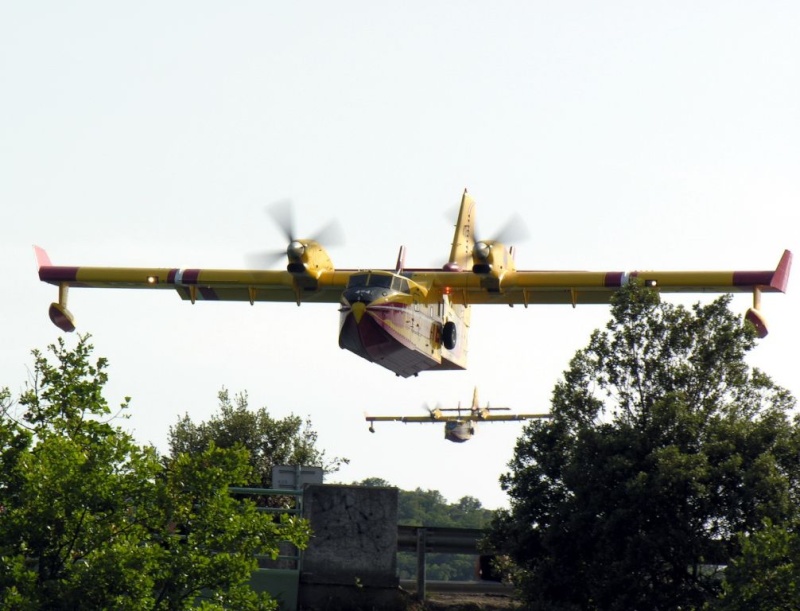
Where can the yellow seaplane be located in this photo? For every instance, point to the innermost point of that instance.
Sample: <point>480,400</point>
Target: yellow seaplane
<point>461,427</point>
<point>407,320</point>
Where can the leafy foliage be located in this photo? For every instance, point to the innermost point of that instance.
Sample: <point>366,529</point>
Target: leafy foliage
<point>90,520</point>
<point>664,444</point>
<point>269,441</point>
<point>765,576</point>
<point>429,508</point>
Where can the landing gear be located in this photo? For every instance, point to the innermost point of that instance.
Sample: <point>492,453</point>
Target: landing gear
<point>449,335</point>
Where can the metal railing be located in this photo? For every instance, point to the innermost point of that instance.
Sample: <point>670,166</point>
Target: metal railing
<point>444,540</point>
<point>279,576</point>
<point>295,555</point>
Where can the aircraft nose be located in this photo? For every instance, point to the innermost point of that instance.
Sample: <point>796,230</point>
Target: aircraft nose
<point>357,309</point>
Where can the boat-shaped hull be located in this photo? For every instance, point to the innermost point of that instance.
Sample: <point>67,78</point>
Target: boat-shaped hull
<point>382,334</point>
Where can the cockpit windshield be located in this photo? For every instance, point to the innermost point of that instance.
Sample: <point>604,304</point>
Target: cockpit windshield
<point>400,284</point>
<point>386,281</point>
<point>357,280</point>
<point>381,281</point>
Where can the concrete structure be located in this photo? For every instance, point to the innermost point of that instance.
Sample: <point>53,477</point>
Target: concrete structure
<point>351,561</point>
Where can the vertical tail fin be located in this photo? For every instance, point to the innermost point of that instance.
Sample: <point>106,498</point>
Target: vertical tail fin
<point>464,236</point>
<point>475,405</point>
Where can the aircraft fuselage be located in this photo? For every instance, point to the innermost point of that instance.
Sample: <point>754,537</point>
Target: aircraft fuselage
<point>384,322</point>
<point>459,431</point>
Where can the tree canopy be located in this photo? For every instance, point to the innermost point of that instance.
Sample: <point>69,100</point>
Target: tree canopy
<point>764,577</point>
<point>91,520</point>
<point>664,446</point>
<point>429,508</point>
<point>269,441</point>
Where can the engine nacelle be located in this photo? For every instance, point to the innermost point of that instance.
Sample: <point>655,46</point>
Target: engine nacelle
<point>491,260</point>
<point>308,258</point>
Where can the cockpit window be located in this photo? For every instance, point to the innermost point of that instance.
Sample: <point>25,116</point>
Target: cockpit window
<point>400,284</point>
<point>385,281</point>
<point>380,281</point>
<point>358,280</point>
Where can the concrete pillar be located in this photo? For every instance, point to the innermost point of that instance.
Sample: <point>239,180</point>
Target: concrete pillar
<point>351,560</point>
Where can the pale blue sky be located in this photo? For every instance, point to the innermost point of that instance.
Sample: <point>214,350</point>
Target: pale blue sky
<point>629,135</point>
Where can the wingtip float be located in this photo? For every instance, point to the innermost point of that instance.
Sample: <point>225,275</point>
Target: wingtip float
<point>58,312</point>
<point>408,320</point>
<point>778,283</point>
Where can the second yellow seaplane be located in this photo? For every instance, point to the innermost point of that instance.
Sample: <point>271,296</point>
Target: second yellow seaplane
<point>461,426</point>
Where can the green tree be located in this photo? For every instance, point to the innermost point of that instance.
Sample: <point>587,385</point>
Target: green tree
<point>423,508</point>
<point>91,520</point>
<point>269,441</point>
<point>373,482</point>
<point>663,445</point>
<point>468,512</point>
<point>765,575</point>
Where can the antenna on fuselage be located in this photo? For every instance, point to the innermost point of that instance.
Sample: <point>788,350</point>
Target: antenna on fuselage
<point>401,260</point>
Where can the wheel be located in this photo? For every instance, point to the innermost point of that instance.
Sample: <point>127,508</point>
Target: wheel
<point>449,335</point>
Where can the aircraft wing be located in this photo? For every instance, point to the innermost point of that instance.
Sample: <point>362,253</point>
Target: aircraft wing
<point>465,417</point>
<point>420,419</point>
<point>515,287</point>
<point>462,287</point>
<point>586,287</point>
<point>201,284</point>
<point>514,417</point>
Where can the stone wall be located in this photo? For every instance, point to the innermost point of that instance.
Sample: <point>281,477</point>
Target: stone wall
<point>351,560</point>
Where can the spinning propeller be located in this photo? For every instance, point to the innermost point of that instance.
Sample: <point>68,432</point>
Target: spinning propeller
<point>282,213</point>
<point>434,412</point>
<point>514,231</point>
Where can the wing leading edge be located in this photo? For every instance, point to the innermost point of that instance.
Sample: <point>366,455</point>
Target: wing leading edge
<point>517,287</point>
<point>200,284</point>
<point>190,284</point>
<point>587,287</point>
<point>461,287</point>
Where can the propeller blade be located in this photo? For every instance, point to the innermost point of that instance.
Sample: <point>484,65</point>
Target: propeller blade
<point>432,411</point>
<point>283,214</point>
<point>513,231</point>
<point>265,259</point>
<point>330,235</point>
